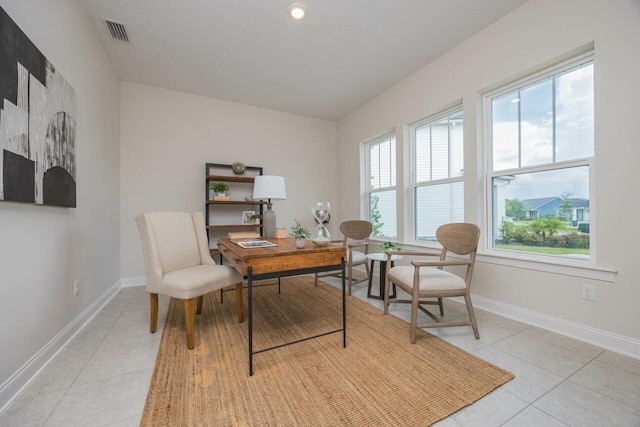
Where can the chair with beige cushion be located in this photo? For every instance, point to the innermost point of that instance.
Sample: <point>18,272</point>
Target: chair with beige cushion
<point>178,264</point>
<point>356,236</point>
<point>428,279</point>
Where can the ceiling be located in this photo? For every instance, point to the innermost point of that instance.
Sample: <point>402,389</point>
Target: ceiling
<point>343,54</point>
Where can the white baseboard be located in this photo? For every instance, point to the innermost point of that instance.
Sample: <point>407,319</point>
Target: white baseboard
<point>129,282</point>
<point>607,340</point>
<point>17,382</point>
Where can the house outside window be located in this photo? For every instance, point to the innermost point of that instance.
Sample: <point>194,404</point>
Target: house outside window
<point>381,194</point>
<point>541,153</point>
<point>438,173</point>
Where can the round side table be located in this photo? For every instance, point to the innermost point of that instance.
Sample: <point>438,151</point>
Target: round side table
<point>382,259</point>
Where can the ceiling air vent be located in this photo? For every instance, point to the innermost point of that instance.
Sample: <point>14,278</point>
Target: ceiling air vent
<point>117,30</point>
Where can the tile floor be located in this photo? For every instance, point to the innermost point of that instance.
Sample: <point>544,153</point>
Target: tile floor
<point>101,378</point>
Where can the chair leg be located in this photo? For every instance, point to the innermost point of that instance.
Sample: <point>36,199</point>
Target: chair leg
<point>316,281</point>
<point>199,302</point>
<point>153,323</point>
<point>190,322</point>
<point>350,277</point>
<point>472,316</point>
<point>414,316</point>
<point>441,306</point>
<point>240,303</point>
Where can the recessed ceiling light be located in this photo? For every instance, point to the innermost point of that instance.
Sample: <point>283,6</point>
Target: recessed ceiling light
<point>296,11</point>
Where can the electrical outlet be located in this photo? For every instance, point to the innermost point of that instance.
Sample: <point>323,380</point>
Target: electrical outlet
<point>588,292</point>
<point>76,287</point>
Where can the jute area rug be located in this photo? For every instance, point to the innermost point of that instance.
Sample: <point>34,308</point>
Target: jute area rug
<point>379,379</point>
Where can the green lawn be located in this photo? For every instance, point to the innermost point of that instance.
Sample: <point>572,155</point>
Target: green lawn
<point>544,250</point>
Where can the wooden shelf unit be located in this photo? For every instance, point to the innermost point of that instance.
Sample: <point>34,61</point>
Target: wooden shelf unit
<point>216,172</point>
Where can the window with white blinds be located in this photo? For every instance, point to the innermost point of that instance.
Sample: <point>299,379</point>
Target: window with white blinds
<point>438,173</point>
<point>381,194</point>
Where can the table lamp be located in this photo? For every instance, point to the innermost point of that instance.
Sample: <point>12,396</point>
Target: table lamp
<point>269,187</point>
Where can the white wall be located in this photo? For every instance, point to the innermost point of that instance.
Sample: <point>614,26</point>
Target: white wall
<point>167,137</point>
<point>539,31</point>
<point>44,249</point>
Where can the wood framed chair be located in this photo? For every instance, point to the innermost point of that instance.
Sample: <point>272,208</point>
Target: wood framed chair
<point>178,263</point>
<point>428,279</point>
<point>356,236</point>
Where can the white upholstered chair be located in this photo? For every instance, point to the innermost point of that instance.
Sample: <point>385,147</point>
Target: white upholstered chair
<point>428,279</point>
<point>178,263</point>
<point>356,236</point>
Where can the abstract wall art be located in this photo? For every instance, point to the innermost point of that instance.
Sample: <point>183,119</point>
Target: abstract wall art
<point>37,124</point>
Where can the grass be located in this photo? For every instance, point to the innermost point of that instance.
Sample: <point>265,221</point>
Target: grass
<point>544,250</point>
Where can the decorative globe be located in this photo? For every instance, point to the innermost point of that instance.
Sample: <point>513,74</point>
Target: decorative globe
<point>238,168</point>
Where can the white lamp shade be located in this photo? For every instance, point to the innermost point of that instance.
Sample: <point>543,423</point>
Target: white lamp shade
<point>269,187</point>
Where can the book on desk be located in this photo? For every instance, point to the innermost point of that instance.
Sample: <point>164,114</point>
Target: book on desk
<point>254,243</point>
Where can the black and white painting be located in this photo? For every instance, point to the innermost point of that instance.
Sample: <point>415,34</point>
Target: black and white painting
<point>37,124</point>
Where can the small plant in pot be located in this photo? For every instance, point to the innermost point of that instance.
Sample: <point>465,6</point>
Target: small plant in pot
<point>391,246</point>
<point>300,233</point>
<point>255,218</point>
<point>220,188</point>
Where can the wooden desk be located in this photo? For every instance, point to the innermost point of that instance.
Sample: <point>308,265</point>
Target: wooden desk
<point>280,261</point>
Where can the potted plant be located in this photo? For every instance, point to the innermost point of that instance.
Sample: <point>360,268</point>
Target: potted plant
<point>391,246</point>
<point>220,188</point>
<point>255,218</point>
<point>300,233</point>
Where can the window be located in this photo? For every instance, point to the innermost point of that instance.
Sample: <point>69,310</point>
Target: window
<point>541,151</point>
<point>438,188</point>
<point>381,195</point>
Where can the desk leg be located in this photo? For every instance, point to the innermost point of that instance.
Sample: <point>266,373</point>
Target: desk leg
<point>250,315</point>
<point>344,309</point>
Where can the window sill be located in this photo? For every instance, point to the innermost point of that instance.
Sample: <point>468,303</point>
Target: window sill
<point>568,267</point>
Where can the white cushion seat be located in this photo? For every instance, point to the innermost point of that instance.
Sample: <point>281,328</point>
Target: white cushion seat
<point>199,280</point>
<point>358,258</point>
<point>431,279</point>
